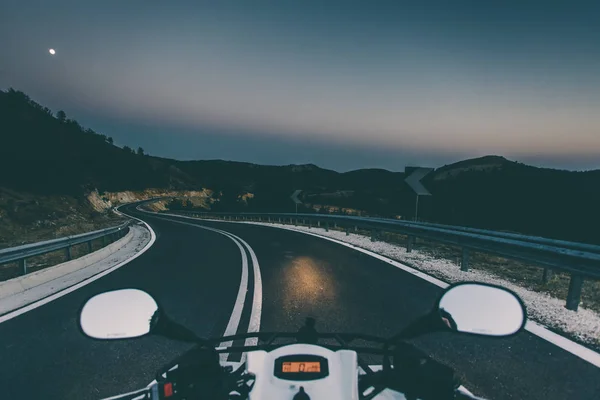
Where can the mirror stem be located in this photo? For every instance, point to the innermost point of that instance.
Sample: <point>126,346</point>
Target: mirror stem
<point>172,330</point>
<point>426,324</point>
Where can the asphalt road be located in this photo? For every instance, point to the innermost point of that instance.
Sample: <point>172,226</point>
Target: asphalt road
<point>195,274</point>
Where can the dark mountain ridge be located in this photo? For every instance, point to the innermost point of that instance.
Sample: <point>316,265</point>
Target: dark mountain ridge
<point>46,154</point>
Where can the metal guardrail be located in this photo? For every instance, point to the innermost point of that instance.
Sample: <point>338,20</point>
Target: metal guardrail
<point>516,236</point>
<point>22,253</point>
<point>579,259</point>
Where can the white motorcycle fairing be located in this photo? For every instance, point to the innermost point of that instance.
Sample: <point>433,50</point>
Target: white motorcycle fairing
<point>340,383</point>
<point>337,378</point>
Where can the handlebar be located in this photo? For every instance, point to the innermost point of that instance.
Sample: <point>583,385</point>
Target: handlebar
<point>412,372</point>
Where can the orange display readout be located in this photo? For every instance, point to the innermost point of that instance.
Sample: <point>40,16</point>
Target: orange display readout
<point>294,367</point>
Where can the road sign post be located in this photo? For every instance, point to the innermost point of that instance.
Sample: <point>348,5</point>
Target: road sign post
<point>295,198</point>
<point>413,179</point>
<point>417,207</point>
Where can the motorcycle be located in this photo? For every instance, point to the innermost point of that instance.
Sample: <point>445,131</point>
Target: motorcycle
<point>306,364</point>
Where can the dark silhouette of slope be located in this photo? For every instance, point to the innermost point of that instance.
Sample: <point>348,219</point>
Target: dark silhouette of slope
<point>43,154</point>
<point>270,185</point>
<point>495,193</point>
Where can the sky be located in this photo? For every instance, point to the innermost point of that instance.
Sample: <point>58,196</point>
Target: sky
<point>341,84</point>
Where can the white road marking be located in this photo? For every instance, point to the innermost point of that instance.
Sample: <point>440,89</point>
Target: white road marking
<point>255,315</point>
<point>574,348</point>
<point>236,314</point>
<point>254,325</point>
<point>83,283</point>
<point>534,328</point>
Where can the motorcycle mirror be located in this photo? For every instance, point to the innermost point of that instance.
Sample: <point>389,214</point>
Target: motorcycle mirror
<point>481,309</point>
<point>118,314</point>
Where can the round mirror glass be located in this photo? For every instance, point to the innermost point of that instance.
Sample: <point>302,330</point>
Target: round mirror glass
<point>481,309</point>
<point>118,314</point>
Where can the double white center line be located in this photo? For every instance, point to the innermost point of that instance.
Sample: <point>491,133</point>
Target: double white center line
<point>236,314</point>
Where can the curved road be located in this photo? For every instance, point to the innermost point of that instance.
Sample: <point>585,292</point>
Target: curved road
<point>196,275</point>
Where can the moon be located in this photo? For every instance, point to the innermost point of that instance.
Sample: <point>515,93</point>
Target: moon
<point>52,51</point>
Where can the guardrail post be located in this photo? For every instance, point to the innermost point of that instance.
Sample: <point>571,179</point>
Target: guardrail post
<point>547,276</point>
<point>347,232</point>
<point>574,295</point>
<point>326,226</point>
<point>373,235</point>
<point>23,264</point>
<point>103,240</point>
<point>355,228</point>
<point>464,265</point>
<point>295,222</point>
<point>409,243</point>
<point>319,224</point>
<point>68,253</point>
<point>89,246</point>
<point>279,219</point>
<point>309,224</point>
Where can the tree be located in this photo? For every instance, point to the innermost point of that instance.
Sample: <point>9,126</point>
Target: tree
<point>140,151</point>
<point>61,116</point>
<point>128,149</point>
<point>74,124</point>
<point>109,140</point>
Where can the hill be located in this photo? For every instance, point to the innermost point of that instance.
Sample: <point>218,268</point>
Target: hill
<point>46,154</point>
<point>495,193</point>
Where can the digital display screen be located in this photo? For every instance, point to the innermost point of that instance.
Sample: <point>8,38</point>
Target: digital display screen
<point>295,367</point>
<point>301,367</point>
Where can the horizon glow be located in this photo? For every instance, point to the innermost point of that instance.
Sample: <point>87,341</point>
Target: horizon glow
<point>428,84</point>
